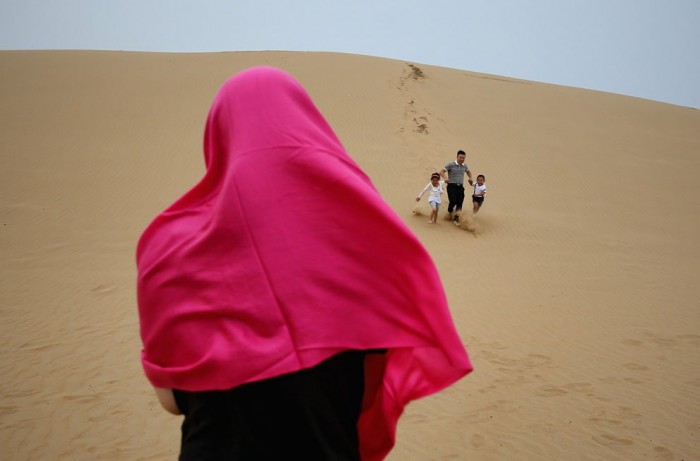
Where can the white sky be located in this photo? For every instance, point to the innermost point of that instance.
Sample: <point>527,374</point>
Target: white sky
<point>644,48</point>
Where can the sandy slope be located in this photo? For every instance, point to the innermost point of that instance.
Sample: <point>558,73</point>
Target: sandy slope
<point>577,295</point>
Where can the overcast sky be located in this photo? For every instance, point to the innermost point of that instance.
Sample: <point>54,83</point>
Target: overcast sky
<point>644,48</point>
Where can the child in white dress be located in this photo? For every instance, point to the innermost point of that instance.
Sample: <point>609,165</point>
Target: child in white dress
<point>434,199</point>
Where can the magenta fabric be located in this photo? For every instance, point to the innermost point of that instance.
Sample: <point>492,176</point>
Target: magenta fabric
<point>285,254</point>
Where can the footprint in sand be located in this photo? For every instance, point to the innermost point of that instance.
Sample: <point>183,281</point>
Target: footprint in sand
<point>101,289</point>
<point>477,441</point>
<point>635,381</point>
<point>635,366</point>
<point>551,391</point>
<point>614,416</point>
<point>664,453</point>
<point>611,440</point>
<point>692,339</point>
<point>661,340</point>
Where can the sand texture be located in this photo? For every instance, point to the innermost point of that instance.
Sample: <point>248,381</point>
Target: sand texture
<point>575,289</point>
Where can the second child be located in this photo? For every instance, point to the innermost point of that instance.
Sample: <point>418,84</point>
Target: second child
<point>479,193</point>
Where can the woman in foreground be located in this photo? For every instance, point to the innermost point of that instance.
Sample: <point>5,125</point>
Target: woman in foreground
<point>285,309</point>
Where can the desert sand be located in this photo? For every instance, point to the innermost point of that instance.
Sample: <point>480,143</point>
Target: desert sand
<point>576,292</point>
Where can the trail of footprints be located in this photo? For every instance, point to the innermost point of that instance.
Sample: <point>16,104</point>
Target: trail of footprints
<point>415,116</point>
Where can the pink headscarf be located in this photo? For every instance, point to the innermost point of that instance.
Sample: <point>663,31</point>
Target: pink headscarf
<point>283,255</point>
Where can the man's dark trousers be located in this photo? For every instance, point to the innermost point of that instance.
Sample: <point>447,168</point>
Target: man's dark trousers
<point>455,194</point>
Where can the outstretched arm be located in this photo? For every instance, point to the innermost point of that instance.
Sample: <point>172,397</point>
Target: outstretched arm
<point>422,192</point>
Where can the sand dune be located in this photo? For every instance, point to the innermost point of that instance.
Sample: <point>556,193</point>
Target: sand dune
<point>576,292</point>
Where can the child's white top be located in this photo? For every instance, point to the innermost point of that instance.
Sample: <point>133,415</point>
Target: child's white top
<point>435,192</point>
<point>479,189</point>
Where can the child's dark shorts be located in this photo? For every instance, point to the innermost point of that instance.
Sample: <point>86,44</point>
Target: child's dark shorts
<point>478,200</point>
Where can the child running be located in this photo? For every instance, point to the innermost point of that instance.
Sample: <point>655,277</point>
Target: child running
<point>434,198</point>
<point>479,193</point>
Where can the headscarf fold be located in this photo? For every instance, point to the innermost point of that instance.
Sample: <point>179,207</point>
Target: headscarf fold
<point>285,254</point>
